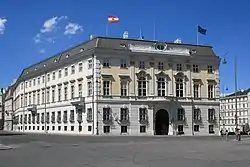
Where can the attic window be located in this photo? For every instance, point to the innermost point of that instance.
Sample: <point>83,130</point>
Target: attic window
<point>123,45</point>
<point>160,46</point>
<point>55,60</point>
<point>44,65</point>
<point>82,49</point>
<point>67,56</point>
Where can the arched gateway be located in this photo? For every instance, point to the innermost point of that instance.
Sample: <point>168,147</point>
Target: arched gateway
<point>161,122</point>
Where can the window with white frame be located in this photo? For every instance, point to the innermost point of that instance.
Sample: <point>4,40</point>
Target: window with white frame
<point>80,67</point>
<point>141,65</point>
<point>106,114</point>
<point>209,69</point>
<point>54,75</point>
<point>195,68</point>
<point>124,90</point>
<point>72,91</point>
<point>34,82</point>
<point>34,97</point>
<point>21,100</point>
<point>89,114</point>
<point>59,73</point>
<point>161,86</point>
<point>80,90</point>
<point>211,114</point>
<point>210,91</point>
<point>59,93</point>
<point>142,114</point>
<point>38,97</point>
<point>90,88</point>
<point>142,86</point>
<point>106,88</point>
<point>30,98</point>
<point>179,67</point>
<point>43,79</point>
<point>160,66</point>
<point>105,63</point>
<point>25,99</point>
<point>53,95</point>
<point>38,81</point>
<point>123,63</point>
<point>90,64</point>
<point>73,69</point>
<point>124,114</point>
<point>197,114</point>
<point>43,96</point>
<point>196,90</point>
<point>179,87</point>
<point>65,92</point>
<point>48,95</point>
<point>65,72</point>
<point>180,114</point>
<point>30,83</point>
<point>48,77</point>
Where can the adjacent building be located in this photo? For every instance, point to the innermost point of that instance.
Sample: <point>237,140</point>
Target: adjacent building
<point>229,118</point>
<point>115,86</point>
<point>8,109</point>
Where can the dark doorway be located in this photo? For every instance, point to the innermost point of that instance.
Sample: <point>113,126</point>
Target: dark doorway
<point>161,122</point>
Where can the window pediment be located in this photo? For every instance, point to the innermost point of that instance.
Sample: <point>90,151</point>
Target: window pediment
<point>143,73</point>
<point>143,107</point>
<point>163,75</point>
<point>108,77</point>
<point>211,81</point>
<point>181,75</point>
<point>198,81</point>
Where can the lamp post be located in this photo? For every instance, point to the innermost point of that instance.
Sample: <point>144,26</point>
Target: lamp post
<point>236,90</point>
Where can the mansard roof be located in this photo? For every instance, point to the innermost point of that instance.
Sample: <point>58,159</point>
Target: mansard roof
<point>105,43</point>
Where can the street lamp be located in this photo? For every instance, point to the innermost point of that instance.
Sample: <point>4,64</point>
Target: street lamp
<point>236,89</point>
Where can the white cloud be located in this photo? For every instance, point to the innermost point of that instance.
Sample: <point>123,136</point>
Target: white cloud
<point>51,24</point>
<point>2,25</point>
<point>72,28</point>
<point>42,51</point>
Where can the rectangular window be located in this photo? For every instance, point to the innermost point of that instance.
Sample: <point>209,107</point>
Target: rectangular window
<point>124,129</point>
<point>21,100</point>
<point>80,67</point>
<point>72,91</point>
<point>59,117</point>
<point>66,72</point>
<point>48,95</point>
<point>34,97</point>
<point>210,91</point>
<point>143,129</point>
<point>29,98</point>
<point>80,90</point>
<point>53,117</point>
<point>43,79</point>
<point>211,114</point>
<point>124,114</point>
<point>106,88</point>
<point>179,88</point>
<point>54,75</point>
<point>53,95</point>
<point>196,90</point>
<point>90,64</point>
<point>105,63</point>
<point>72,116</point>
<point>34,82</point>
<point>180,114</point>
<point>124,91</point>
<point>142,114</point>
<point>38,81</point>
<point>30,83</point>
<point>195,68</point>
<point>196,128</point>
<point>59,73</point>
<point>123,64</point>
<point>211,129</point>
<point>47,117</point>
<point>180,128</point>
<point>90,88</point>
<point>43,96</point>
<point>65,116</point>
<point>160,66</point>
<point>59,93</point>
<point>65,93</point>
<point>106,129</point>
<point>25,99</point>
<point>73,69</point>
<point>197,114</point>
<point>179,67</point>
<point>89,115</point>
<point>141,65</point>
<point>142,86</point>
<point>38,97</point>
<point>48,77</point>
<point>209,69</point>
<point>161,86</point>
<point>106,114</point>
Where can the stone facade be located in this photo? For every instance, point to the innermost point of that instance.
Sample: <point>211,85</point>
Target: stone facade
<point>111,86</point>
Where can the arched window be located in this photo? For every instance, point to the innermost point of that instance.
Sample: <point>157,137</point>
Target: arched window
<point>161,86</point>
<point>179,87</point>
<point>142,86</point>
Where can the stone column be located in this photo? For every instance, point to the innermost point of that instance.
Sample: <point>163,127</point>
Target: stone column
<point>133,78</point>
<point>171,79</point>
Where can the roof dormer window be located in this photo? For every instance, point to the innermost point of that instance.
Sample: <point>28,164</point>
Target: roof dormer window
<point>67,56</point>
<point>44,65</point>
<point>55,60</point>
<point>82,49</point>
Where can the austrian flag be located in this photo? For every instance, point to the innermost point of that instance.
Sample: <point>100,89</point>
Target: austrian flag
<point>113,19</point>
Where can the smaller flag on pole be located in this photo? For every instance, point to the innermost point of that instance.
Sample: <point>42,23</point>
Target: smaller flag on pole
<point>113,19</point>
<point>201,30</point>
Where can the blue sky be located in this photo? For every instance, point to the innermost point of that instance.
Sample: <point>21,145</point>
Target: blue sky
<point>226,22</point>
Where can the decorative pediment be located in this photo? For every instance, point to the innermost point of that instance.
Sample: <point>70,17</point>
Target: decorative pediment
<point>143,106</point>
<point>198,81</point>
<point>181,75</point>
<point>143,73</point>
<point>125,76</point>
<point>108,76</point>
<point>212,81</point>
<point>106,106</point>
<point>163,74</point>
<point>124,106</point>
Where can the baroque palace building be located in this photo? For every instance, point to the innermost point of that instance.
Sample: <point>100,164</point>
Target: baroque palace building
<point>115,86</point>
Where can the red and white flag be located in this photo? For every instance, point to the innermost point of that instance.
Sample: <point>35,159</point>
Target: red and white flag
<point>113,19</point>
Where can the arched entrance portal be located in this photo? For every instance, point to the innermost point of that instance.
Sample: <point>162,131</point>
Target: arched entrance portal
<point>161,122</point>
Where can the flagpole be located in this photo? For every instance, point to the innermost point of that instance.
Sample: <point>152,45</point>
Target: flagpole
<point>197,35</point>
<point>140,34</point>
<point>107,29</point>
<point>154,30</point>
